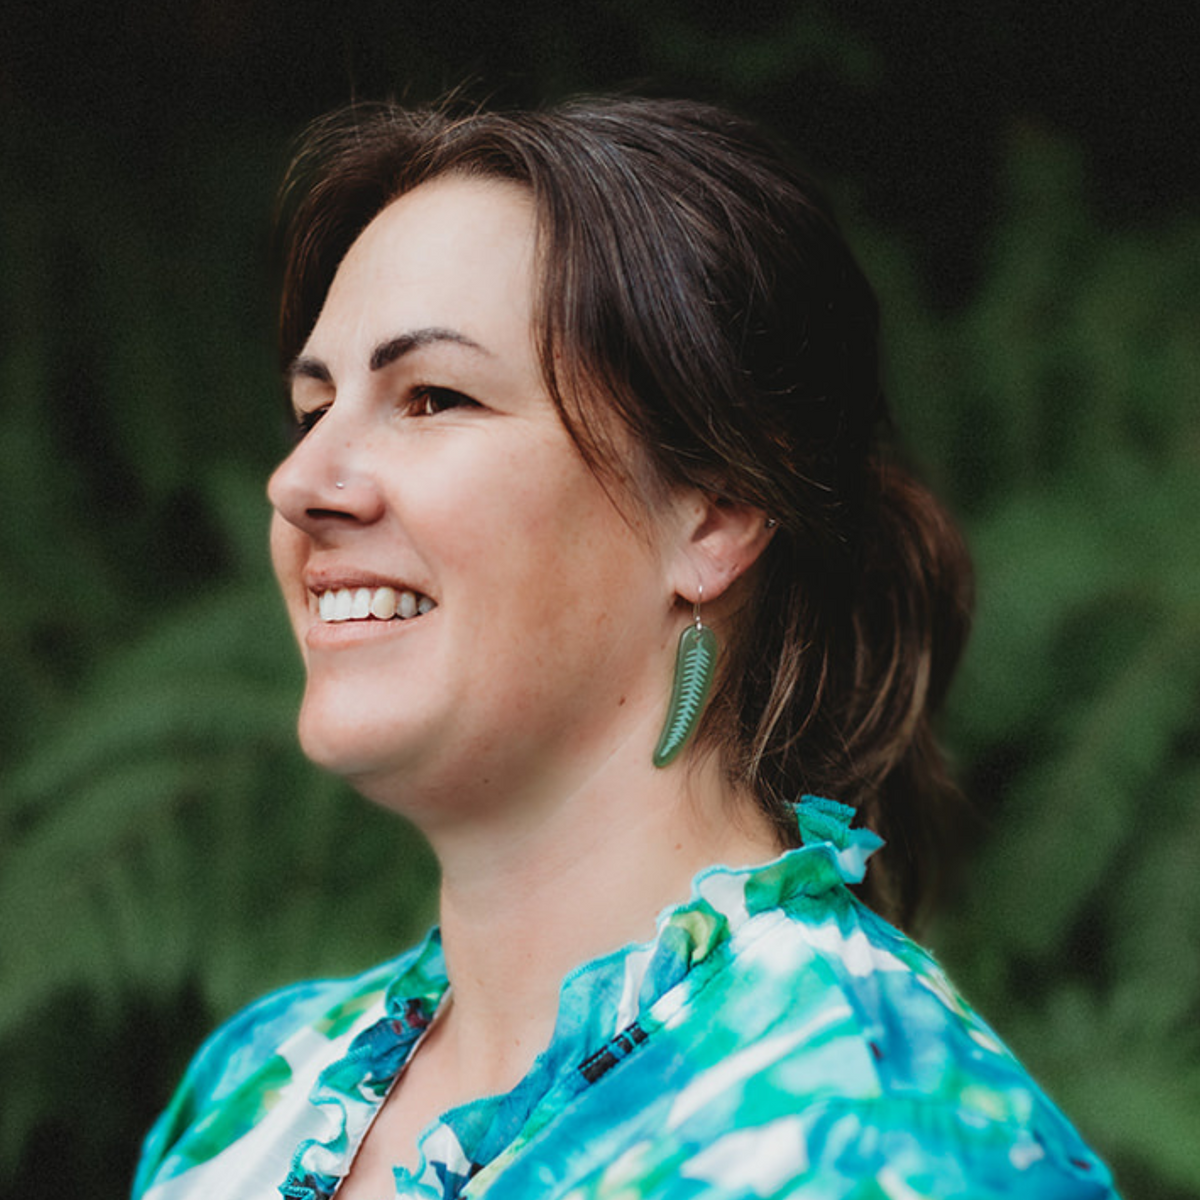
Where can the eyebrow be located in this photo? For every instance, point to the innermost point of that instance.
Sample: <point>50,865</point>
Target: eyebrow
<point>385,353</point>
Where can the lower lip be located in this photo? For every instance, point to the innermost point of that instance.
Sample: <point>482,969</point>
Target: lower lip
<point>332,635</point>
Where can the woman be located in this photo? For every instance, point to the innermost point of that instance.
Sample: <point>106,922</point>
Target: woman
<point>583,395</point>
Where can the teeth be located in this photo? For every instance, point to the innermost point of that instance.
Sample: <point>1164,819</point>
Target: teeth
<point>383,603</point>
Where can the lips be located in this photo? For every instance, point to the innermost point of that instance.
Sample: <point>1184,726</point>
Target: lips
<point>384,603</point>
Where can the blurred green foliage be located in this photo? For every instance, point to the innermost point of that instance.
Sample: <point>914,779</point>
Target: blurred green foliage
<point>166,854</point>
<point>1058,409</point>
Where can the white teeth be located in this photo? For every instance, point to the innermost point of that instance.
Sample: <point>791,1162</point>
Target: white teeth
<point>383,603</point>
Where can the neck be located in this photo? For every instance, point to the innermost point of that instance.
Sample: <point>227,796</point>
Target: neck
<point>524,902</point>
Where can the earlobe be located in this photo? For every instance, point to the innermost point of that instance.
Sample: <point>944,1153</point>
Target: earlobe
<point>725,539</point>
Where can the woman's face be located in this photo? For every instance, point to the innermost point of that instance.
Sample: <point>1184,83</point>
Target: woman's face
<point>435,464</point>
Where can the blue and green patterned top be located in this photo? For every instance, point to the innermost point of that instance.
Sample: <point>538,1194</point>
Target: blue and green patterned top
<point>775,1039</point>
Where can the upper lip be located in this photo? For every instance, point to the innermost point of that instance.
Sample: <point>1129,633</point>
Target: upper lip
<point>332,579</point>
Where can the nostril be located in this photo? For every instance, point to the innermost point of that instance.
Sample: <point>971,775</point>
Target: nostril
<point>328,514</point>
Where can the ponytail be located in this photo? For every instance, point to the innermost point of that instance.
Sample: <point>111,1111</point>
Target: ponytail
<point>845,707</point>
<point>911,618</point>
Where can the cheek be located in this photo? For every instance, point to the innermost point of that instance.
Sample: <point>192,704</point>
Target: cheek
<point>586,573</point>
<point>560,541</point>
<point>493,515</point>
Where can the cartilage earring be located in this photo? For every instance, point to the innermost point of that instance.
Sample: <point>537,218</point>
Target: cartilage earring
<point>695,666</point>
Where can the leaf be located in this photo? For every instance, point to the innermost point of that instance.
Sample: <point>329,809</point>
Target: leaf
<point>695,665</point>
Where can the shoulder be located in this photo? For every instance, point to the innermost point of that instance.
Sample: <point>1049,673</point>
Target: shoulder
<point>247,1061</point>
<point>887,1147</point>
<point>828,1056</point>
<point>850,1057</point>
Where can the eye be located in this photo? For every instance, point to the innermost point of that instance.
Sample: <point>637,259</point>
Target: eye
<point>305,421</point>
<point>429,401</point>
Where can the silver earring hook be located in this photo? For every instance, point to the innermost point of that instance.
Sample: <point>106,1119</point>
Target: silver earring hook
<point>696,604</point>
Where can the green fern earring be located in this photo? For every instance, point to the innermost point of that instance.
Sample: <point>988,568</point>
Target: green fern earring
<point>695,666</point>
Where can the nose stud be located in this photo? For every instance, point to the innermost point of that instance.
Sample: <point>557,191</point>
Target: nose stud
<point>340,484</point>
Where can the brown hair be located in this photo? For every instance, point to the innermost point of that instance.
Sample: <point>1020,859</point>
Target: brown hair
<point>699,283</point>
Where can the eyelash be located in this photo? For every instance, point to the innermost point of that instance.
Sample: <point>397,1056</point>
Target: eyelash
<point>306,422</point>
<point>428,401</point>
<point>422,401</point>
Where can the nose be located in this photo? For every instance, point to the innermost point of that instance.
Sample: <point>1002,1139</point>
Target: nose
<point>326,483</point>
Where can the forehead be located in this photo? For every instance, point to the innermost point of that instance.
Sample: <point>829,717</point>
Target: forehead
<point>455,252</point>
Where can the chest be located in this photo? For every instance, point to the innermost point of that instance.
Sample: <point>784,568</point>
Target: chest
<point>390,1142</point>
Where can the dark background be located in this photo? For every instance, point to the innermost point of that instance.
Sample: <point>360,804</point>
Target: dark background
<point>1021,182</point>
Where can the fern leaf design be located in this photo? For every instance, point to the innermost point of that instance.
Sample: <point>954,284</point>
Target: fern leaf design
<point>695,666</point>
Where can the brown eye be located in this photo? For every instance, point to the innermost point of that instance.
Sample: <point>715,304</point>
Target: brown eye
<point>429,401</point>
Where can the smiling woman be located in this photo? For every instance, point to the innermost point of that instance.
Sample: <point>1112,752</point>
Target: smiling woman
<point>587,400</point>
<point>463,489</point>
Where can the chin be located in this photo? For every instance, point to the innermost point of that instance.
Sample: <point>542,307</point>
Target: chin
<point>339,743</point>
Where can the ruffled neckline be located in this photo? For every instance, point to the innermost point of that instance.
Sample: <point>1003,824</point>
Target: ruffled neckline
<point>600,1005</point>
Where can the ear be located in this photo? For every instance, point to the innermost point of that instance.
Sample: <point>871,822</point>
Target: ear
<point>721,541</point>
